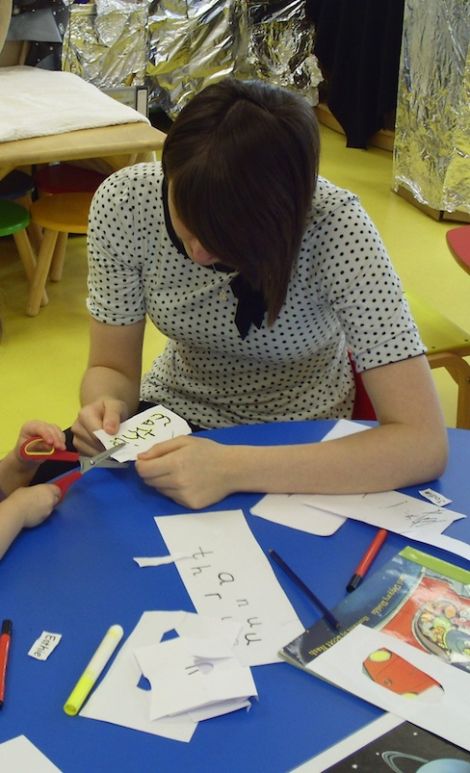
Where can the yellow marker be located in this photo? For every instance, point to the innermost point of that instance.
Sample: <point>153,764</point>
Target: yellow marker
<point>94,668</point>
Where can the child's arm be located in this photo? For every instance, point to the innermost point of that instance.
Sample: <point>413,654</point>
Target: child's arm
<point>15,471</point>
<point>24,508</point>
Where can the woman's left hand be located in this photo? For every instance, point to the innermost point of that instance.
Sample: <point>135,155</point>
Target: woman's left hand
<point>192,471</point>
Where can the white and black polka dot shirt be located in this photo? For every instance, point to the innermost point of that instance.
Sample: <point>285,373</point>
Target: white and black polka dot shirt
<point>343,294</point>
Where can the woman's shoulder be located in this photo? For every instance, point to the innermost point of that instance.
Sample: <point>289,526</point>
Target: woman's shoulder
<point>138,178</point>
<point>329,198</point>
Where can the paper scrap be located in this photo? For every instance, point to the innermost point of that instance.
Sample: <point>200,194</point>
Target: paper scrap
<point>143,431</point>
<point>44,645</point>
<point>143,561</point>
<point>435,497</point>
<point>19,755</point>
<point>231,577</point>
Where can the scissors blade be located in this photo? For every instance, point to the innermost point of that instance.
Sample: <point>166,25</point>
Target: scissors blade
<point>102,459</point>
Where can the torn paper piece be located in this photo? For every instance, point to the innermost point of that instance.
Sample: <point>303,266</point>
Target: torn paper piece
<point>160,560</point>
<point>44,645</point>
<point>143,431</point>
<point>440,711</point>
<point>231,577</point>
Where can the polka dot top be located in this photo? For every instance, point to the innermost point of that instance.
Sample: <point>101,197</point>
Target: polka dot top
<point>343,294</point>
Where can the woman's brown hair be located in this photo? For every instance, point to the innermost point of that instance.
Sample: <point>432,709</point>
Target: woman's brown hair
<point>242,158</point>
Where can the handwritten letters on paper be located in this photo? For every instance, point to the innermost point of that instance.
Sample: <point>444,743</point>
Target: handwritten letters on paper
<point>230,577</point>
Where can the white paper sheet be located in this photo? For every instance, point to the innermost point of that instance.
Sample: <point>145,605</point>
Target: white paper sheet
<point>230,576</point>
<point>19,755</point>
<point>443,712</point>
<point>143,431</point>
<point>118,699</point>
<point>290,509</point>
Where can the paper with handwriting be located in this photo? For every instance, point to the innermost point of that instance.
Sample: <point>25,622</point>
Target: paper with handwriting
<point>231,577</point>
<point>143,431</point>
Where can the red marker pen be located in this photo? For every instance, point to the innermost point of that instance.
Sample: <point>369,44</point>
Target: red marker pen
<point>5,638</point>
<point>367,559</point>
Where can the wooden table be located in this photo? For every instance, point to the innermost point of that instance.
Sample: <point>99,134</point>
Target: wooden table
<point>113,147</point>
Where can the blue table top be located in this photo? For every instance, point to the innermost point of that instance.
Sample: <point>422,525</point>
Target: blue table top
<point>75,575</point>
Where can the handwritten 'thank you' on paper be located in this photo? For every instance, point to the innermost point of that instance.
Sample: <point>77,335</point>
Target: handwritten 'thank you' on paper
<point>230,577</point>
<point>142,431</point>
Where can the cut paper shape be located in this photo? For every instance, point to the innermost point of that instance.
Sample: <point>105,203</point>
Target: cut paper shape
<point>143,431</point>
<point>290,510</point>
<point>446,717</point>
<point>119,700</point>
<point>231,577</point>
<point>182,682</point>
<point>435,497</point>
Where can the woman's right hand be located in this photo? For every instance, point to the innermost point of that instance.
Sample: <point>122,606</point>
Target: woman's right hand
<point>106,413</point>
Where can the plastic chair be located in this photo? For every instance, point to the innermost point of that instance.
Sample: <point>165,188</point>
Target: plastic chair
<point>458,241</point>
<point>19,186</point>
<point>447,345</point>
<point>14,220</point>
<point>58,215</point>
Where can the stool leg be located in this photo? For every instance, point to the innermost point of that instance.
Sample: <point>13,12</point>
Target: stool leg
<point>42,270</point>
<point>28,258</point>
<point>58,257</point>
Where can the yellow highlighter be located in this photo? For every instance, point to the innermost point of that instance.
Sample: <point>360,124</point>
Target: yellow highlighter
<point>92,671</point>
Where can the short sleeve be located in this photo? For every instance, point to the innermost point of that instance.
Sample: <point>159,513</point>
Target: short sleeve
<point>364,291</point>
<point>115,293</point>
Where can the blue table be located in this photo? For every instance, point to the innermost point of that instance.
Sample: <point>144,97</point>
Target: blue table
<point>75,575</point>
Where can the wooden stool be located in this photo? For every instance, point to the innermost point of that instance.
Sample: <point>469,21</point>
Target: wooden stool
<point>14,220</point>
<point>58,215</point>
<point>458,241</point>
<point>447,345</point>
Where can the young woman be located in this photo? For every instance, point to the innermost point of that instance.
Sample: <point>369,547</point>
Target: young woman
<point>266,279</point>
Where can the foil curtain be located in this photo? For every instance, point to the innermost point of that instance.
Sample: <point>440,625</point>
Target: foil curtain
<point>106,42</point>
<point>432,133</point>
<point>177,47</point>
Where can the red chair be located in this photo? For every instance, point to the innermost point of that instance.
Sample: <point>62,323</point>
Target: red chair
<point>362,408</point>
<point>67,178</point>
<point>458,241</point>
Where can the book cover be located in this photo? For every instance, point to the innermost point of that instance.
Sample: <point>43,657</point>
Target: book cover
<point>415,597</point>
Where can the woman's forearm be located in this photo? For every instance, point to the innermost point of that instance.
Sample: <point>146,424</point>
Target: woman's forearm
<point>380,459</point>
<point>99,382</point>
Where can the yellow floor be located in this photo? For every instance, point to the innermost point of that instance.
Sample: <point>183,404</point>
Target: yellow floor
<point>42,358</point>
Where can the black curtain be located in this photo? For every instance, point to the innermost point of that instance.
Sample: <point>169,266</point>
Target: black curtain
<point>358,46</point>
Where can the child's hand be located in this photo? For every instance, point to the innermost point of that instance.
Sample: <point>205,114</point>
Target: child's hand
<point>35,504</point>
<point>50,433</point>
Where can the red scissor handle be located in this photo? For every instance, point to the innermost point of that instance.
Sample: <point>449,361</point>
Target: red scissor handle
<point>31,450</point>
<point>63,483</point>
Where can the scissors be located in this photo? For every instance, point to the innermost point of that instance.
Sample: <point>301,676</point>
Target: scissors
<point>34,449</point>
